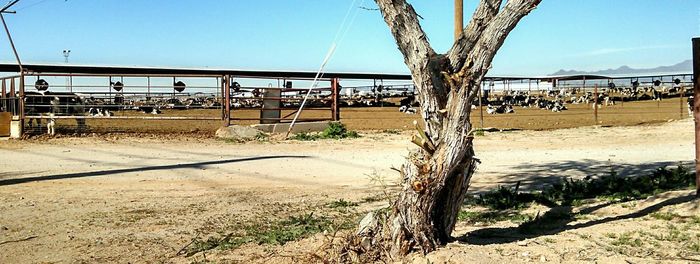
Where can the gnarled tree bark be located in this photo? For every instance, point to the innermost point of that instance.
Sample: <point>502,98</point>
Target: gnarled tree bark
<point>436,177</point>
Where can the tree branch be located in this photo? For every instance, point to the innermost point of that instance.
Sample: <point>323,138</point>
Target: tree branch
<point>481,18</point>
<point>480,58</point>
<point>424,64</point>
<point>413,43</point>
<point>495,34</point>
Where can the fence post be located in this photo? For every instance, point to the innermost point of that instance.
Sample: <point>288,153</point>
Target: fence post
<point>227,100</point>
<point>680,100</point>
<point>222,100</point>
<point>5,101</point>
<point>595,104</point>
<point>21,102</point>
<point>696,110</point>
<point>481,106</point>
<point>335,104</point>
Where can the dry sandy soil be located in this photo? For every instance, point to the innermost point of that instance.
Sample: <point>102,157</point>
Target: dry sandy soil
<point>128,199</point>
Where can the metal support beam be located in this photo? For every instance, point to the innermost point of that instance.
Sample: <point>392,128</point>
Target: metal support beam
<point>9,37</point>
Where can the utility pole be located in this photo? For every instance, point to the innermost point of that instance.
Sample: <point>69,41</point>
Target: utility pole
<point>459,18</point>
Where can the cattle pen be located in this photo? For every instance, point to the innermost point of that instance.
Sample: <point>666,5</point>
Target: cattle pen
<point>138,99</point>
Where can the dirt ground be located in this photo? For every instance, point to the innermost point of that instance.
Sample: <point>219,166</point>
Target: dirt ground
<point>125,199</point>
<point>383,118</point>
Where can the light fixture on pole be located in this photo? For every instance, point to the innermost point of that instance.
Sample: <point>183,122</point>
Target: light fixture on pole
<point>69,84</point>
<point>66,53</point>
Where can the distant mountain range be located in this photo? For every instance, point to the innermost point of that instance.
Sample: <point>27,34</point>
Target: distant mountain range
<point>685,66</point>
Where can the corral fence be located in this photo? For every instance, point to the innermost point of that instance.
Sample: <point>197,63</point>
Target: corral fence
<point>587,100</point>
<point>182,102</point>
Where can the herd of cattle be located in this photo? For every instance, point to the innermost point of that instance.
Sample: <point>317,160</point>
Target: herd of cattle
<point>556,100</point>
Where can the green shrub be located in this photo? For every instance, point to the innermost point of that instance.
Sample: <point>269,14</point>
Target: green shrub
<point>334,130</point>
<point>303,136</point>
<point>341,203</point>
<point>572,191</point>
<point>276,233</point>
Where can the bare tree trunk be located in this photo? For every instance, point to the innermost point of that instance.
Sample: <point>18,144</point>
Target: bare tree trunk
<point>436,177</point>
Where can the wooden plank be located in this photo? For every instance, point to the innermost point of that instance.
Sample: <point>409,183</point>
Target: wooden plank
<point>5,118</point>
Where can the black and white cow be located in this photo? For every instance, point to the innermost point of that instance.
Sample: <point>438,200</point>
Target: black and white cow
<point>53,104</point>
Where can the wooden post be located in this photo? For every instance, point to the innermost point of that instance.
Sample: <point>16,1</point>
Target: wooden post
<point>227,100</point>
<point>696,110</point>
<point>13,95</point>
<point>481,106</point>
<point>335,105</point>
<point>21,102</point>
<point>595,104</point>
<point>12,88</point>
<point>680,100</point>
<point>459,18</point>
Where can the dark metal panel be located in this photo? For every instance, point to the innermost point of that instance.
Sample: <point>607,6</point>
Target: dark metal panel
<point>112,70</point>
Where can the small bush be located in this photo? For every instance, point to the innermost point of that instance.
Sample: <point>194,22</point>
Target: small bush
<point>627,239</point>
<point>277,233</point>
<point>303,136</point>
<point>571,192</point>
<point>262,137</point>
<point>391,131</point>
<point>664,216</point>
<point>341,203</point>
<point>337,130</point>
<point>334,130</point>
<point>491,217</point>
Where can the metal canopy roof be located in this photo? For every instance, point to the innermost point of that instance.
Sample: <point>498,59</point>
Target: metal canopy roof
<point>128,70</point>
<point>117,70</point>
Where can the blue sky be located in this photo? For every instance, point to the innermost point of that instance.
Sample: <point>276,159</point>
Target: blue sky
<point>296,34</point>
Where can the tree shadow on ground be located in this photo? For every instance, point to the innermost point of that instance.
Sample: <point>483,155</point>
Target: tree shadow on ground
<point>557,220</point>
<point>535,176</point>
<point>193,165</point>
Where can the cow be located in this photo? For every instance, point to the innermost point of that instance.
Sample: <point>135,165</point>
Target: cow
<point>501,109</point>
<point>149,110</point>
<point>691,100</point>
<point>53,104</point>
<point>99,112</point>
<point>407,109</point>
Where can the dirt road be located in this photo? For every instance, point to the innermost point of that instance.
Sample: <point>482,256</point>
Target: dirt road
<point>142,199</point>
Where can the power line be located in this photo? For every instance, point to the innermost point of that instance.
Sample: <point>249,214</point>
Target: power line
<point>32,5</point>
